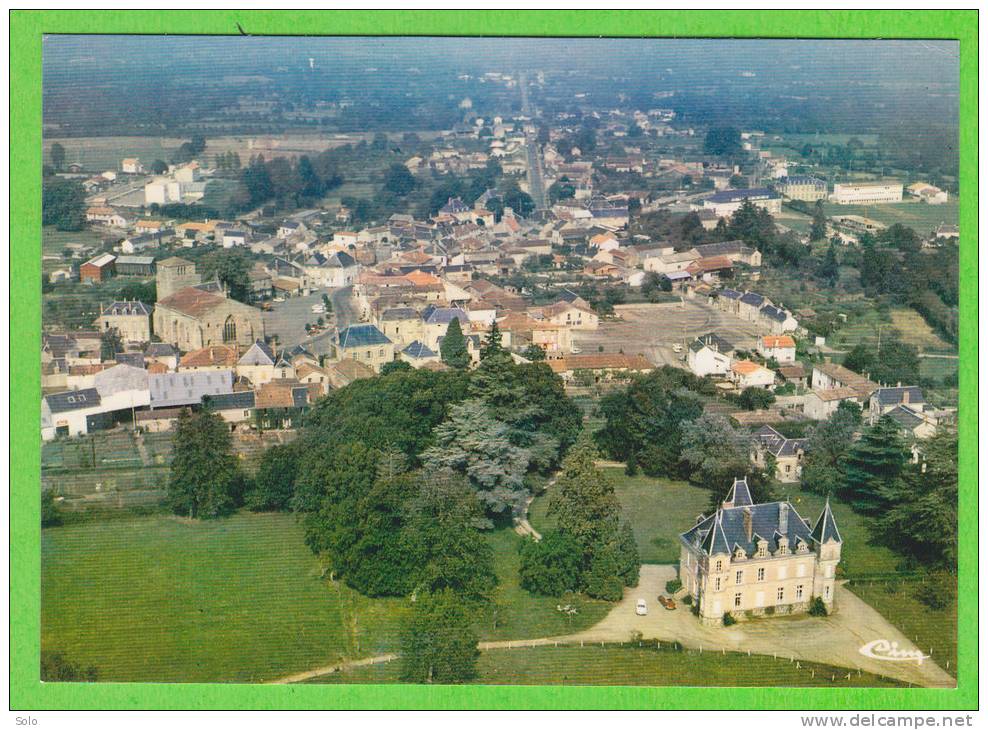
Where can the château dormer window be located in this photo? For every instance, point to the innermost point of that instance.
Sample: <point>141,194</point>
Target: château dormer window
<point>762,550</point>
<point>801,547</point>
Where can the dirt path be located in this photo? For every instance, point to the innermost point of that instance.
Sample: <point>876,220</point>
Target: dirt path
<point>333,668</point>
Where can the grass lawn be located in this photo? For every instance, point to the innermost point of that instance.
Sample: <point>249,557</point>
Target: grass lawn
<point>914,330</point>
<point>929,629</point>
<point>659,510</point>
<point>237,600</point>
<point>627,665</point>
<point>522,615</point>
<point>858,556</point>
<point>233,600</point>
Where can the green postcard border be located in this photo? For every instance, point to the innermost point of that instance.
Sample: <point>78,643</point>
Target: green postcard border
<point>26,30</point>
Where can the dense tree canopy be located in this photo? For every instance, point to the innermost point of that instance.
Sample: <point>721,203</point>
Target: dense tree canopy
<point>205,479</point>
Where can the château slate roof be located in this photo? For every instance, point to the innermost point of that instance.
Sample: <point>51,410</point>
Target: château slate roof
<point>826,526</point>
<point>419,350</point>
<point>727,529</point>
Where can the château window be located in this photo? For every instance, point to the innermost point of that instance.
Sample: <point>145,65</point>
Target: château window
<point>716,584</point>
<point>761,574</point>
<point>781,595</point>
<point>738,577</point>
<point>719,565</point>
<point>737,600</point>
<point>826,591</point>
<point>799,593</point>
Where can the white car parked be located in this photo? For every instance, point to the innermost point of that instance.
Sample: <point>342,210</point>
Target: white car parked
<point>641,608</point>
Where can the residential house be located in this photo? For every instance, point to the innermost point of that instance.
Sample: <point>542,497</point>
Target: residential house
<point>788,453</point>
<point>417,354</point>
<point>366,344</point>
<point>884,400</point>
<point>131,320</point>
<point>235,408</point>
<point>709,354</point>
<point>780,347</point>
<point>748,374</point>
<point>598,367</point>
<point>751,559</point>
<point>820,403</point>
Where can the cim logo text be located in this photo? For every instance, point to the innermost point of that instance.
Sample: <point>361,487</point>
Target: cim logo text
<point>889,651</point>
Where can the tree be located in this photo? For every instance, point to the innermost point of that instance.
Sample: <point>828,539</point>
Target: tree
<point>51,516</point>
<point>395,366</point>
<point>922,518</point>
<point>552,565</point>
<point>274,483</point>
<point>827,445</point>
<point>491,347</point>
<point>722,141</point>
<point>474,443</point>
<point>873,467</point>
<point>204,476</point>
<point>754,399</point>
<point>894,362</point>
<point>232,268</point>
<point>534,353</point>
<point>453,348</point>
<point>63,204</point>
<point>56,668</point>
<point>586,508</point>
<point>439,641</point>
<point>818,228</point>
<point>830,268</point>
<point>646,418</point>
<point>399,180</point>
<point>441,539</point>
<point>57,156</point>
<point>715,451</point>
<point>519,201</point>
<point>110,344</point>
<point>159,167</point>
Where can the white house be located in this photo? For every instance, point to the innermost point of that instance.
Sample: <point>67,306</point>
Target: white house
<point>781,347</point>
<point>748,374</point>
<point>709,354</point>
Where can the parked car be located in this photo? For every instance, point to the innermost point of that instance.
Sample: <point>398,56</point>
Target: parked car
<point>641,608</point>
<point>677,347</point>
<point>318,309</point>
<point>667,603</point>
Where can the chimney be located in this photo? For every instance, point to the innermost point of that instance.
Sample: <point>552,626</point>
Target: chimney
<point>905,397</point>
<point>784,518</point>
<point>747,522</point>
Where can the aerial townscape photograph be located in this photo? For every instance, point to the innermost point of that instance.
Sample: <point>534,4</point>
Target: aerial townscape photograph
<point>499,361</point>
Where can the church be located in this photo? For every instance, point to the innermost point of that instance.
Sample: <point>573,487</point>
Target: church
<point>194,316</point>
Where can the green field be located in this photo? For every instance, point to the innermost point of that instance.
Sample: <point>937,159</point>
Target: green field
<point>921,217</point>
<point>930,629</point>
<point>234,600</point>
<point>631,665</point>
<point>240,599</point>
<point>96,154</point>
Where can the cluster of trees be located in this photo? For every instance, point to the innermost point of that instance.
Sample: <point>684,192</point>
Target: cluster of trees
<point>894,267</point>
<point>657,424</point>
<point>232,267</point>
<point>63,204</point>
<point>722,141</point>
<point>286,183</point>
<point>913,506</point>
<point>591,549</point>
<point>889,362</point>
<point>190,150</point>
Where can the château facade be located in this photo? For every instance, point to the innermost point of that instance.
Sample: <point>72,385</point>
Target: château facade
<point>758,559</point>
